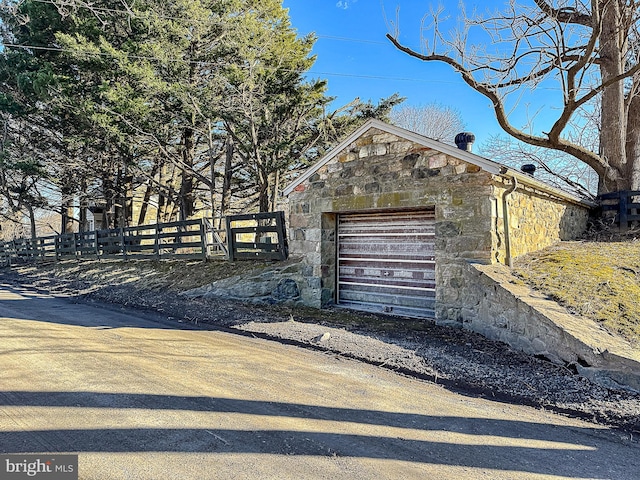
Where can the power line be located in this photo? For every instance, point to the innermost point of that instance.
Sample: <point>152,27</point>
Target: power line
<point>98,54</point>
<point>108,10</point>
<point>380,77</point>
<point>354,40</point>
<point>195,62</point>
<point>202,63</point>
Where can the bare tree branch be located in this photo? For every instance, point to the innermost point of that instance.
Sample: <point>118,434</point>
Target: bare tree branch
<point>589,48</point>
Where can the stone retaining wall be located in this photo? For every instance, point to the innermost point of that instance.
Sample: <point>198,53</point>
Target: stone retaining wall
<point>501,308</point>
<point>279,283</point>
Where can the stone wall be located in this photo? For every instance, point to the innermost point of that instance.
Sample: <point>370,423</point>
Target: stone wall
<point>536,219</point>
<point>279,283</point>
<point>501,308</point>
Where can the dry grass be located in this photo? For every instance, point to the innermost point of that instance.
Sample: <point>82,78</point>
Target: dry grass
<point>599,280</point>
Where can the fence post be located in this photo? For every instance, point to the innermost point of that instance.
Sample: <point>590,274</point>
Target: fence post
<point>74,239</point>
<point>622,211</point>
<point>203,239</point>
<point>283,246</point>
<point>96,244</point>
<point>122,244</point>
<point>156,241</point>
<point>231,248</point>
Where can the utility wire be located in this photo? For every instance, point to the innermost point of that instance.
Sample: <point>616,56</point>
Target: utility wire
<point>203,63</point>
<point>195,62</point>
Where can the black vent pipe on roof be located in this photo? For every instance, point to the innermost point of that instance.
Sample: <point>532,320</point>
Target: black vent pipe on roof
<point>528,168</point>
<point>465,140</point>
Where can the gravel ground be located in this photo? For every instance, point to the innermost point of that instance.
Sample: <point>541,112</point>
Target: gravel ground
<point>459,360</point>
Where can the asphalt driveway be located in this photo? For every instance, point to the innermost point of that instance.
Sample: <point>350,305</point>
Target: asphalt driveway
<point>138,397</point>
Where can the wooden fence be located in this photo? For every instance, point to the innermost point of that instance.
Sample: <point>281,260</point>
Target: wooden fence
<point>166,240</point>
<point>196,239</point>
<point>257,235</point>
<point>623,206</point>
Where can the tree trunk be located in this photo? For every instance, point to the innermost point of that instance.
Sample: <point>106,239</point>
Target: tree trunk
<point>613,130</point>
<point>108,194</point>
<point>83,226</point>
<point>125,200</point>
<point>107,216</point>
<point>633,144</point>
<point>187,197</point>
<point>161,202</point>
<point>226,182</point>
<point>66,211</point>
<point>142,215</point>
<point>32,221</point>
<point>263,191</point>
<point>274,198</point>
<point>166,201</point>
<point>212,167</point>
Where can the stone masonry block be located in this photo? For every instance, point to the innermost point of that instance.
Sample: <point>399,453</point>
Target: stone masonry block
<point>437,161</point>
<point>347,157</point>
<point>374,150</point>
<point>298,220</point>
<point>364,141</point>
<point>384,138</point>
<point>334,167</point>
<point>344,189</point>
<point>400,147</point>
<point>313,234</point>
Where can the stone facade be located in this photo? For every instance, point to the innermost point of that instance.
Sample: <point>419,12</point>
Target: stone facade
<point>535,219</point>
<point>380,169</point>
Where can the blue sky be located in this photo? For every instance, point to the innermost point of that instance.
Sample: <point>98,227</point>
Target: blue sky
<point>358,61</point>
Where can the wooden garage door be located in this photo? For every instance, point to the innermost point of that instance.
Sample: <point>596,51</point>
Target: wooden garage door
<point>386,262</point>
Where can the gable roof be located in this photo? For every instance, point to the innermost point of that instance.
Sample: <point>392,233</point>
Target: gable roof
<point>485,164</point>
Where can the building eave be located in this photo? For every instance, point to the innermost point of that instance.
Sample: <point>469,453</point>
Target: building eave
<point>532,182</point>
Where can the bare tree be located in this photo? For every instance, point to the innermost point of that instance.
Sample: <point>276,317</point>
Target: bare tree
<point>555,168</point>
<point>589,48</point>
<point>432,120</point>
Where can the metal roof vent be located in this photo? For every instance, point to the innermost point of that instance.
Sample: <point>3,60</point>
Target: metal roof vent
<point>465,140</point>
<point>528,168</point>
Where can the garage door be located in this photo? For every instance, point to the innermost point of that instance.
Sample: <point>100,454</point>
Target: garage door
<point>386,262</point>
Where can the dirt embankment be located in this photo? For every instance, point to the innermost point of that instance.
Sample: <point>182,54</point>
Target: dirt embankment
<point>457,359</point>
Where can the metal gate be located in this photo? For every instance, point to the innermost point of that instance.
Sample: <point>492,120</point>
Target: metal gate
<point>386,262</point>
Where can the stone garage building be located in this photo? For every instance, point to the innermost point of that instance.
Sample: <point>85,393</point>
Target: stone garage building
<point>389,219</point>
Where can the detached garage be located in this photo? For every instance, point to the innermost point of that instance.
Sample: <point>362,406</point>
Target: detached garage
<point>386,221</point>
<point>386,262</point>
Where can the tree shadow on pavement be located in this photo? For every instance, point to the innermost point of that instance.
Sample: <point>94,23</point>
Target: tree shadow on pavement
<point>508,445</point>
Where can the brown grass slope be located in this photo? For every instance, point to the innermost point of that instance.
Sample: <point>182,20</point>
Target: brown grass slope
<point>598,280</point>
